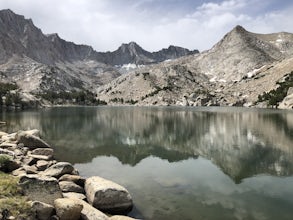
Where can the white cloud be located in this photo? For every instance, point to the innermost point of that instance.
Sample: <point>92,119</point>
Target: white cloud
<point>106,24</point>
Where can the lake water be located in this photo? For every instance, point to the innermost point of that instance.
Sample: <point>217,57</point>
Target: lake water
<point>178,163</point>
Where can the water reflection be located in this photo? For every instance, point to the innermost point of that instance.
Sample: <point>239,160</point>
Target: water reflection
<point>242,143</point>
<point>179,163</point>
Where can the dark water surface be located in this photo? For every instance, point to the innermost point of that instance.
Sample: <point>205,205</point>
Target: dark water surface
<point>178,163</point>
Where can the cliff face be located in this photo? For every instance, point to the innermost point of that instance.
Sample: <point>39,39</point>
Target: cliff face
<point>20,37</point>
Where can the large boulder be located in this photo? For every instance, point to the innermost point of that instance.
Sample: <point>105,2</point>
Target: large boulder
<point>40,188</point>
<point>73,178</point>
<point>67,209</point>
<point>90,213</point>
<point>59,169</point>
<point>31,141</point>
<point>42,211</point>
<point>107,196</point>
<point>49,152</point>
<point>68,186</point>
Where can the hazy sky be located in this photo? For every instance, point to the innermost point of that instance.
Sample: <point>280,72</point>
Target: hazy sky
<point>153,24</point>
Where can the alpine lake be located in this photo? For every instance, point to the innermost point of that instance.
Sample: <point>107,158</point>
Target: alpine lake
<point>178,163</point>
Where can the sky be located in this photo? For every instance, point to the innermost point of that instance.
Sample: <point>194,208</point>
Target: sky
<point>153,24</point>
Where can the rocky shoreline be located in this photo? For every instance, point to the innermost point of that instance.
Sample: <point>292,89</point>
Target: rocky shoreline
<point>55,190</point>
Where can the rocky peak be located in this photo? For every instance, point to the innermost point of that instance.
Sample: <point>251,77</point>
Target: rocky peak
<point>237,55</point>
<point>53,37</point>
<point>172,52</point>
<point>7,14</point>
<point>13,23</point>
<point>239,29</point>
<point>132,49</point>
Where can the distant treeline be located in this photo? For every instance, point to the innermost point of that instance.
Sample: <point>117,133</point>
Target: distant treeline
<point>83,97</point>
<point>9,95</point>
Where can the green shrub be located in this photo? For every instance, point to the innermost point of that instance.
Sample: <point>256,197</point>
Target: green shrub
<point>83,97</point>
<point>4,158</point>
<point>275,96</point>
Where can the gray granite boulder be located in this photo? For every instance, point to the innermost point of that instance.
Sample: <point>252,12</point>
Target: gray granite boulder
<point>68,186</point>
<point>40,188</point>
<point>67,209</point>
<point>59,169</point>
<point>42,211</point>
<point>107,196</point>
<point>31,141</point>
<point>42,165</point>
<point>49,152</point>
<point>73,178</point>
<point>88,212</point>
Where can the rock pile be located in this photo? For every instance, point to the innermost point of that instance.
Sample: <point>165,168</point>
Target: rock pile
<point>55,189</point>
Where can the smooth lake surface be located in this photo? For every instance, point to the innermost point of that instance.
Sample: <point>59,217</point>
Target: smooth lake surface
<point>178,163</point>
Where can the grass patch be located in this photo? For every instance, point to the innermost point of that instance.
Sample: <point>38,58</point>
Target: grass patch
<point>11,197</point>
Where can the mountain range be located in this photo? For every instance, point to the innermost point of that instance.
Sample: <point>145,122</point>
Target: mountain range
<point>244,68</point>
<point>39,62</point>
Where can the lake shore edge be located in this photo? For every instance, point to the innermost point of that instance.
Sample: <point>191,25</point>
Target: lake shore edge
<point>55,190</point>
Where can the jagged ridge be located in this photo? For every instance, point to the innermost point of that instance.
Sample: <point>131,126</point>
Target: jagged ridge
<point>20,36</point>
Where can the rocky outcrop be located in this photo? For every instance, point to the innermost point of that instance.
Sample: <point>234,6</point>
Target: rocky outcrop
<point>64,196</point>
<point>107,196</point>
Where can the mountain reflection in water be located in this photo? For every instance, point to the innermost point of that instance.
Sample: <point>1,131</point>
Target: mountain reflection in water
<point>241,142</point>
<point>180,159</point>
